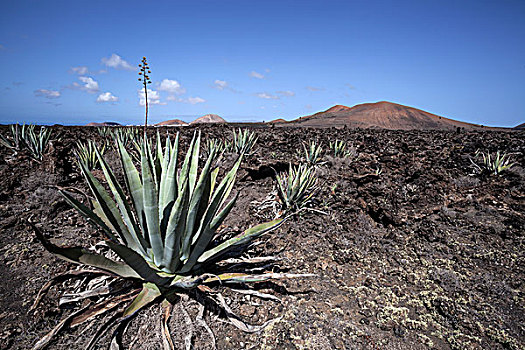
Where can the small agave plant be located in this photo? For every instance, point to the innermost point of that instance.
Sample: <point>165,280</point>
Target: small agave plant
<point>296,187</point>
<point>166,234</point>
<point>494,165</point>
<point>313,154</point>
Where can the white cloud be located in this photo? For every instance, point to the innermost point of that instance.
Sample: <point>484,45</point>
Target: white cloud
<point>254,74</point>
<point>81,70</point>
<point>313,88</point>
<point>106,97</point>
<point>47,93</point>
<point>90,85</point>
<point>195,100</point>
<point>115,61</point>
<point>286,93</point>
<point>267,96</point>
<point>153,97</point>
<point>173,87</point>
<point>220,84</point>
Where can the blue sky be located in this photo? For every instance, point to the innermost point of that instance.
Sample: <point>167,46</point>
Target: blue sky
<point>72,62</point>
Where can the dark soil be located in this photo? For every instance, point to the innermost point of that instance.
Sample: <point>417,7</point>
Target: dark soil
<point>423,255</point>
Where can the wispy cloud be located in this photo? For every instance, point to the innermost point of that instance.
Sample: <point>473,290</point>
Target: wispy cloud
<point>254,74</point>
<point>350,86</point>
<point>2,47</point>
<point>117,62</point>
<point>267,96</point>
<point>47,93</point>
<point>106,97</point>
<point>223,85</point>
<point>80,70</point>
<point>190,100</point>
<point>195,100</point>
<point>153,97</point>
<point>286,93</point>
<point>172,87</point>
<point>313,88</point>
<point>90,85</point>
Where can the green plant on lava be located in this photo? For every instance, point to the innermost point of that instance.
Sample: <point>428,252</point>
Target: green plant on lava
<point>494,165</point>
<point>313,154</point>
<point>296,187</point>
<point>86,153</point>
<point>167,235</point>
<point>243,141</point>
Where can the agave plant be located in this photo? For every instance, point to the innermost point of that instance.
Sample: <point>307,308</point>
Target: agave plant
<point>37,143</point>
<point>25,136</point>
<point>313,154</point>
<point>16,141</point>
<point>126,135</point>
<point>166,234</point>
<point>296,187</point>
<point>86,153</point>
<point>493,164</point>
<point>243,141</point>
<point>340,150</point>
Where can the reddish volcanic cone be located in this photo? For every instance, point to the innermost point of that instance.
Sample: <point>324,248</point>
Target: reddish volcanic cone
<point>383,115</point>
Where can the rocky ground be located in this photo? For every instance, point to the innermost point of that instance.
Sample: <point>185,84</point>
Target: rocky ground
<point>423,254</point>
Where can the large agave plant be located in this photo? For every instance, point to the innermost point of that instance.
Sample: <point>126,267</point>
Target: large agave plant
<point>166,233</point>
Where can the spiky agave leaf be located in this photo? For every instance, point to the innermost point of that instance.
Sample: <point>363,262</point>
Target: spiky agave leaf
<point>243,141</point>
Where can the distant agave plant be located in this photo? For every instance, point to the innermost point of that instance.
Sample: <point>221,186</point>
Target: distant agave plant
<point>166,234</point>
<point>296,187</point>
<point>87,154</point>
<point>494,165</point>
<point>313,154</point>
<point>243,141</point>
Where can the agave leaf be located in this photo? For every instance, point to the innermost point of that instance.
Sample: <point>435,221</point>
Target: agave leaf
<point>107,205</point>
<point>246,237</point>
<point>185,165</point>
<point>194,164</point>
<point>151,207</point>
<point>134,184</point>
<point>176,224</point>
<point>196,196</point>
<point>138,243</point>
<point>168,185</point>
<point>148,294</point>
<point>80,255</point>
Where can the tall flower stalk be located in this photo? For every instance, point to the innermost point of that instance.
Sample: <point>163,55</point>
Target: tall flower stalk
<point>144,78</point>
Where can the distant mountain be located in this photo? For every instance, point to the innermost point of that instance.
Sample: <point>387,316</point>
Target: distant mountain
<point>172,122</point>
<point>104,124</point>
<point>520,127</point>
<point>280,120</point>
<point>208,118</point>
<point>383,115</point>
